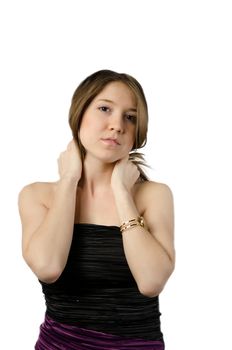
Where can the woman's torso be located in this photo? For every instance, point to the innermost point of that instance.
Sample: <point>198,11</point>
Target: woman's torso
<point>96,289</point>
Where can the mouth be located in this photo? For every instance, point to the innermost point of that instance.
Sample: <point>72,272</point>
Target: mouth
<point>109,141</point>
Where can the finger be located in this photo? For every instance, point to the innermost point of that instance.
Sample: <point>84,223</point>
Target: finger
<point>69,144</point>
<point>74,143</point>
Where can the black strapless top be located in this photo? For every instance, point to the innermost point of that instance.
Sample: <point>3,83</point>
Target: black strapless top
<point>96,289</point>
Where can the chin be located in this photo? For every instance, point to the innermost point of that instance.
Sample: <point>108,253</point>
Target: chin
<point>100,157</point>
<point>109,160</point>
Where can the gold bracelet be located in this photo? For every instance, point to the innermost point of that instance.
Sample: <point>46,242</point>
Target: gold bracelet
<point>132,223</point>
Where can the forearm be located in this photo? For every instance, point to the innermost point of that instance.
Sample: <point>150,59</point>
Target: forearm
<point>147,259</point>
<point>49,246</point>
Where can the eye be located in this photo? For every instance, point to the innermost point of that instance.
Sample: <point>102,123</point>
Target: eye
<point>131,118</point>
<point>104,109</point>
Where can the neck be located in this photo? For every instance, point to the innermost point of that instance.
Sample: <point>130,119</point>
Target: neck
<point>96,176</point>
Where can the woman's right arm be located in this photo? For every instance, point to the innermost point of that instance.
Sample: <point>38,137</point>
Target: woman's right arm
<point>47,233</point>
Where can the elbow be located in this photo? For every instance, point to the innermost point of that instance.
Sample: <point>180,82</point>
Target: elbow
<point>47,275</point>
<point>154,286</point>
<point>45,272</point>
<point>151,290</point>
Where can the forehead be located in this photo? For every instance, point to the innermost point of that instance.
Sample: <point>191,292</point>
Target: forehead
<point>119,93</point>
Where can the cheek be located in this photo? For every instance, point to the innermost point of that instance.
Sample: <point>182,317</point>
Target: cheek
<point>89,122</point>
<point>132,138</point>
<point>85,122</point>
<point>87,131</point>
<point>84,133</point>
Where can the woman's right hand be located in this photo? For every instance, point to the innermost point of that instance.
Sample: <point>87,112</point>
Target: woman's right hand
<point>69,162</point>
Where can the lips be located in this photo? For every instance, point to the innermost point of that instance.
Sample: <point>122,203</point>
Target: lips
<point>111,141</point>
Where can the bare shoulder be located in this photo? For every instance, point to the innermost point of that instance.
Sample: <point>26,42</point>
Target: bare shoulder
<point>40,192</point>
<point>33,203</point>
<point>155,187</point>
<point>152,193</point>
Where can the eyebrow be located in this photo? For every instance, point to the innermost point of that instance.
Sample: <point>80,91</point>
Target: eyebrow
<point>110,101</point>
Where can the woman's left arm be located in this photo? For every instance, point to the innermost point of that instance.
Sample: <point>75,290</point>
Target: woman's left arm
<point>149,250</point>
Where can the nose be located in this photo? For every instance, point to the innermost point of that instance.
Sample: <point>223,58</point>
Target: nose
<point>116,123</point>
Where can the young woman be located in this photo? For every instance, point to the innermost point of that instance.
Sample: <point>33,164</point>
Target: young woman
<point>100,240</point>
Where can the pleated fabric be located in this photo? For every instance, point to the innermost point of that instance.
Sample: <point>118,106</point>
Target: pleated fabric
<point>95,303</point>
<point>58,336</point>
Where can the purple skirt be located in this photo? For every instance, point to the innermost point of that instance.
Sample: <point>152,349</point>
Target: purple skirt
<point>59,336</point>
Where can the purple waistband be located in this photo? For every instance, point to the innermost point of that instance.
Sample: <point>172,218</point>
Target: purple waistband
<point>59,336</point>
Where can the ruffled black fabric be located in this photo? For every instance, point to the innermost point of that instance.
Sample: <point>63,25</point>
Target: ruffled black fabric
<point>97,290</point>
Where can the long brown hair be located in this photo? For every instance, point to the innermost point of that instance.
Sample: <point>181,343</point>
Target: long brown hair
<point>89,89</point>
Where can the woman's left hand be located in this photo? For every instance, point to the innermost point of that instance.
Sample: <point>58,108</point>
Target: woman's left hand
<point>124,175</point>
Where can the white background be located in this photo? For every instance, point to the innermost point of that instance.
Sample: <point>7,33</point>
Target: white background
<point>181,53</point>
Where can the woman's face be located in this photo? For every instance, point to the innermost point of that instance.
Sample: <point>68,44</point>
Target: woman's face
<point>108,126</point>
